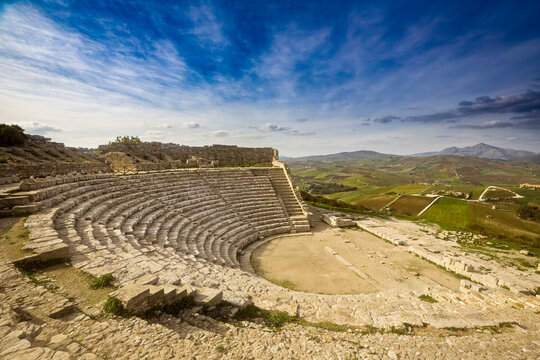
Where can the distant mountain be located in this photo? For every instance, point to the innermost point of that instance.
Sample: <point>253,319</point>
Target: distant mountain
<point>343,156</point>
<point>483,151</point>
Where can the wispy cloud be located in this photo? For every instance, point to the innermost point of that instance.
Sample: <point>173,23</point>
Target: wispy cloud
<point>437,117</point>
<point>220,133</point>
<point>193,73</point>
<point>286,130</point>
<point>518,104</point>
<point>385,119</point>
<point>37,128</point>
<point>495,124</point>
<point>153,135</point>
<point>192,125</point>
<point>206,26</point>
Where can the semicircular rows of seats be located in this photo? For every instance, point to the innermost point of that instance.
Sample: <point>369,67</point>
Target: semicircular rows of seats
<point>121,223</point>
<point>190,225</point>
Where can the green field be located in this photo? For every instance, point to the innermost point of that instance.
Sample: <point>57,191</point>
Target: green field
<point>380,178</point>
<point>408,205</point>
<point>410,189</point>
<point>449,213</point>
<point>376,203</point>
<point>531,196</point>
<point>504,225</point>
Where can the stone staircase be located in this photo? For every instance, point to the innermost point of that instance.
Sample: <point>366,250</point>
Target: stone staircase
<point>284,191</point>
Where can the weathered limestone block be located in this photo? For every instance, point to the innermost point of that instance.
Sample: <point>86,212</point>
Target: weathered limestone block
<point>61,309</point>
<point>465,284</point>
<point>132,296</point>
<point>170,294</point>
<point>25,209</point>
<point>15,200</point>
<point>335,221</point>
<point>155,296</point>
<point>209,297</point>
<point>57,251</point>
<point>489,280</point>
<point>149,279</point>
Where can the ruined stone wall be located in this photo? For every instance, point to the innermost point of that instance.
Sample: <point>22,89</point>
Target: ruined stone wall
<point>38,160</point>
<point>155,155</point>
<point>52,169</point>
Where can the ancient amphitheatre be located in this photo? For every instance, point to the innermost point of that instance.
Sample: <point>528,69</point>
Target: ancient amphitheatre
<point>185,233</point>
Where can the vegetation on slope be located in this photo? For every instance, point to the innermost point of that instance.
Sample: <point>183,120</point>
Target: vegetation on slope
<point>449,213</point>
<point>503,225</point>
<point>410,205</point>
<point>11,135</point>
<point>377,202</point>
<point>380,179</point>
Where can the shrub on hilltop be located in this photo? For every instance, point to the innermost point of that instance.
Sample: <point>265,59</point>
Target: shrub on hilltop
<point>127,140</point>
<point>11,135</point>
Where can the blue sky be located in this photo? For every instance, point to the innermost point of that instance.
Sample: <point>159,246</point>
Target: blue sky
<point>306,77</point>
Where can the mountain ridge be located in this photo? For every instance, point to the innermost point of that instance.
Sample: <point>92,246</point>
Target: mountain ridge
<point>480,150</point>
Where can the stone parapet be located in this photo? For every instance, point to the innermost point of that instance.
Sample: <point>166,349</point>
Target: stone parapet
<point>160,156</point>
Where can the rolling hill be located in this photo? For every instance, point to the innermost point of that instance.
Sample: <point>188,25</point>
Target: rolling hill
<point>483,151</point>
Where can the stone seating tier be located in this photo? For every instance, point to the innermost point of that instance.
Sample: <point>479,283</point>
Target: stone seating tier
<point>209,214</point>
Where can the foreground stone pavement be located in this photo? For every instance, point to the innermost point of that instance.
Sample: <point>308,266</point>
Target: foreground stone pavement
<point>28,332</point>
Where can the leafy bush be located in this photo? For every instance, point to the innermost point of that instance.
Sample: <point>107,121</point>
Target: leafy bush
<point>278,319</point>
<point>316,187</point>
<point>528,212</point>
<point>11,135</point>
<point>128,140</point>
<point>331,202</point>
<point>101,282</point>
<point>114,306</point>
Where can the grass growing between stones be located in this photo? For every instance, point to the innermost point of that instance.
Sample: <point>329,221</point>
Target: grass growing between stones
<point>101,282</point>
<point>113,306</point>
<point>56,275</point>
<point>428,298</point>
<point>15,239</point>
<point>72,283</point>
<point>286,284</point>
<point>275,320</point>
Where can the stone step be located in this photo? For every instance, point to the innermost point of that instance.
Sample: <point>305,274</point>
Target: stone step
<point>10,201</point>
<point>209,297</point>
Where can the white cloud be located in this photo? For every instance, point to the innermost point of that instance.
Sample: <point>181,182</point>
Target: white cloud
<point>191,125</point>
<point>153,135</point>
<point>286,130</point>
<point>33,127</point>
<point>206,26</point>
<point>164,126</point>
<point>220,133</point>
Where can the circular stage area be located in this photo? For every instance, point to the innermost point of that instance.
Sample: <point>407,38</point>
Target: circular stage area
<point>345,261</point>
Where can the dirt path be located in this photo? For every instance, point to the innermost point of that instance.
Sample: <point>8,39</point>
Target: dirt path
<point>303,264</point>
<point>6,224</point>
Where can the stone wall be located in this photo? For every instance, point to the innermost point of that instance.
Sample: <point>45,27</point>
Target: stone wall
<point>24,171</point>
<point>40,157</point>
<point>162,156</point>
